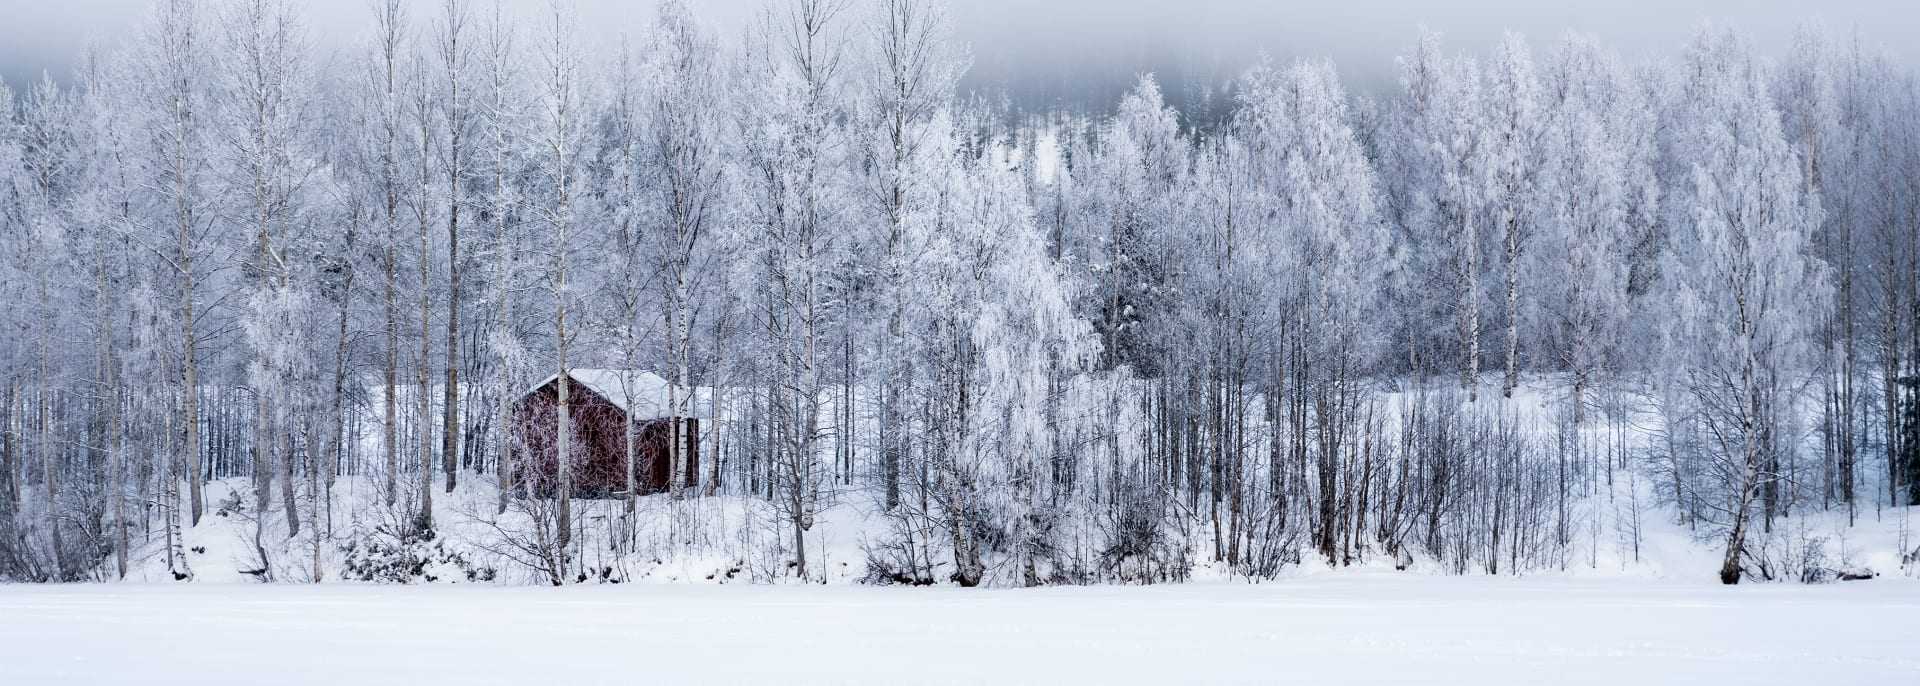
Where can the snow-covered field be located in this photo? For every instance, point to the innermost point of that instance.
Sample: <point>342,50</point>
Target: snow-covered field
<point>1361,627</point>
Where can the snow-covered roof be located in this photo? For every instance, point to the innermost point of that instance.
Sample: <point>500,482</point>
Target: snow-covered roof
<point>641,394</point>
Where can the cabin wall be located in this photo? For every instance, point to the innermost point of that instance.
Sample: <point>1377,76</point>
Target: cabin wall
<point>598,446</point>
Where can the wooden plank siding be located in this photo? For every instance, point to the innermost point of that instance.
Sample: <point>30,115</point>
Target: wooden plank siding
<point>599,444</point>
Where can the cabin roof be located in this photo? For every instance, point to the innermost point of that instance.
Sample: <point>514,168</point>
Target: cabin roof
<point>641,394</point>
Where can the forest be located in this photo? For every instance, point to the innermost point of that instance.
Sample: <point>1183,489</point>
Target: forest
<point>1501,318</point>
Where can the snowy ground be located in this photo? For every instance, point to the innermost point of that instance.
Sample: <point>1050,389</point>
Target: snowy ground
<point>1363,627</point>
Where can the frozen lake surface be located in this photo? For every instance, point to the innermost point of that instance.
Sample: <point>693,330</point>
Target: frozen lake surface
<point>1366,627</point>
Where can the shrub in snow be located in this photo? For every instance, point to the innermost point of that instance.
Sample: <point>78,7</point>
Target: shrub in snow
<point>385,555</point>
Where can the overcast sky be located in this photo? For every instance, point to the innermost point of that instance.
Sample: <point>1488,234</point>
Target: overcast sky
<point>1082,47</point>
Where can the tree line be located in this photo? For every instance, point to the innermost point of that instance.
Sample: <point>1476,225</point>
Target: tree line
<point>1482,322</point>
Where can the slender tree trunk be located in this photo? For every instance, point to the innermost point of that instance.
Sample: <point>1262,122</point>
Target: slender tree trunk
<point>116,468</point>
<point>454,59</point>
<point>627,451</point>
<point>1847,440</point>
<point>1469,308</point>
<point>423,365</point>
<point>1742,511</point>
<point>10,457</point>
<point>562,185</point>
<point>284,458</point>
<point>677,350</point>
<point>1512,379</point>
<point>262,466</point>
<point>450,427</point>
<point>189,375</point>
<point>50,476</point>
<point>563,428</point>
<point>506,260</point>
<point>390,19</point>
<point>390,381</point>
<point>336,445</point>
<point>508,431</point>
<point>711,483</point>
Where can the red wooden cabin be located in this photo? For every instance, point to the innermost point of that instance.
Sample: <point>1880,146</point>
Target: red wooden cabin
<point>600,402</point>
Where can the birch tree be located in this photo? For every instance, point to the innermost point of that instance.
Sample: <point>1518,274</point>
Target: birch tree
<point>1513,115</point>
<point>457,115</point>
<point>1747,291</point>
<point>172,75</point>
<point>502,120</point>
<point>909,76</point>
<point>1585,201</point>
<point>687,150</point>
<point>560,131</point>
<point>794,151</point>
<point>265,54</point>
<point>1438,148</point>
<point>384,83</point>
<point>46,163</point>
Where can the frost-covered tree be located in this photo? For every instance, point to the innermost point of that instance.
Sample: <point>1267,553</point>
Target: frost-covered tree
<point>561,134</point>
<point>501,145</point>
<point>1325,205</point>
<point>909,69</point>
<point>1824,114</point>
<point>1438,160</point>
<point>1142,167</point>
<point>1514,124</point>
<point>381,102</point>
<point>1745,289</point>
<point>11,280</point>
<point>268,160</point>
<point>1889,146</point>
<point>104,136</point>
<point>685,149</point>
<point>174,84</point>
<point>1588,181</point>
<point>1000,318</point>
<point>794,186</point>
<point>454,48</point>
